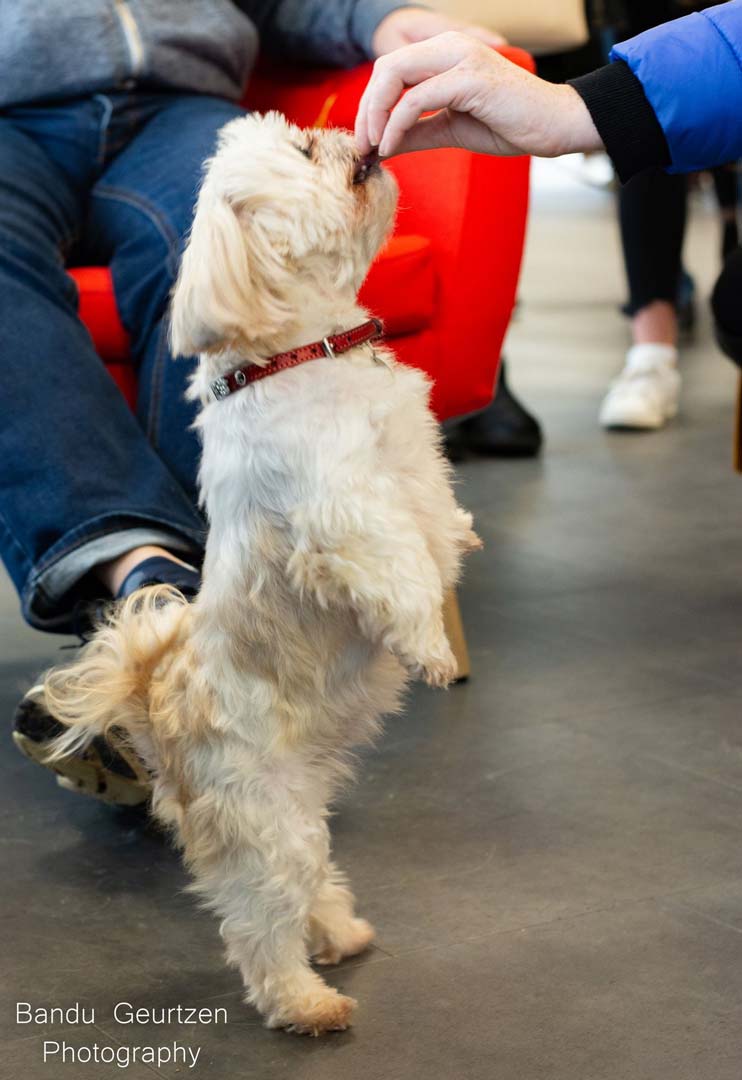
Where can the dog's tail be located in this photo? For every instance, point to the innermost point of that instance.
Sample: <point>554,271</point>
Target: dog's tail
<point>107,686</point>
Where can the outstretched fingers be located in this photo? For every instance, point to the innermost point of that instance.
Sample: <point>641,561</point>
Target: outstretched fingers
<point>406,67</point>
<point>436,93</point>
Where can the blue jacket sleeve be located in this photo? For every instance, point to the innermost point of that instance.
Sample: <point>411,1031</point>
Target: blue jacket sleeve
<point>691,71</point>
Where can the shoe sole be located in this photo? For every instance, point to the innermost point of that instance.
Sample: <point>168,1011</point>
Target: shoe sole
<point>86,776</point>
<point>86,772</point>
<point>638,425</point>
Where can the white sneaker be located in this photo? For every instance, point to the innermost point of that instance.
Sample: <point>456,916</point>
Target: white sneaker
<point>646,393</point>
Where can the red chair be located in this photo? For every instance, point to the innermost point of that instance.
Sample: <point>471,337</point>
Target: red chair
<point>445,283</point>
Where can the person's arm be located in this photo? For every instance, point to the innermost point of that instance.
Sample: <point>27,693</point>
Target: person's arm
<point>672,98</point>
<point>626,122</point>
<point>342,33</point>
<point>480,102</point>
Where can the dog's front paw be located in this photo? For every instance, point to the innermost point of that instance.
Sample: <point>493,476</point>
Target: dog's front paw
<point>472,542</point>
<point>438,670</point>
<point>441,674</point>
<point>467,538</point>
<point>329,1012</point>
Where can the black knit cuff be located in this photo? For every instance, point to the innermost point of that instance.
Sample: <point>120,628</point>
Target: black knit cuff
<point>625,120</point>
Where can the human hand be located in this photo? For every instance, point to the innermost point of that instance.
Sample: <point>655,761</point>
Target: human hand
<point>482,102</point>
<point>407,25</point>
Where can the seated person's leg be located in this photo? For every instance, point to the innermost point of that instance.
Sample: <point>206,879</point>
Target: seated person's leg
<point>141,211</point>
<point>79,482</point>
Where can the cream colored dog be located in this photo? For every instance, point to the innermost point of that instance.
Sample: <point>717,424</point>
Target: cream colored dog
<point>333,535</point>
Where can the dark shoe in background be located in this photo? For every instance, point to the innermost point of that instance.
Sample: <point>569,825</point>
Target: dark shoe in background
<point>726,307</point>
<point>686,305</point>
<point>504,429</point>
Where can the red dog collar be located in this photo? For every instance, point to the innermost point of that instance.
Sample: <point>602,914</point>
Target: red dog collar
<point>329,346</point>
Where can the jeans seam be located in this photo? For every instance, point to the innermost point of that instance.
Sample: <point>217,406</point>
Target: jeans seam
<point>155,390</point>
<point>172,241</point>
<point>107,104</point>
<point>27,556</point>
<point>143,205</point>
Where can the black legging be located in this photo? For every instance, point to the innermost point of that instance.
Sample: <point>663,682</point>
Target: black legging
<point>652,212</point>
<point>653,206</point>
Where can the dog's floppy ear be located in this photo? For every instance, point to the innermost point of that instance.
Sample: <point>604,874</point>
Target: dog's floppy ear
<point>230,288</point>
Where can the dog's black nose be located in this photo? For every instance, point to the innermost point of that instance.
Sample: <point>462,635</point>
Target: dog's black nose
<point>364,166</point>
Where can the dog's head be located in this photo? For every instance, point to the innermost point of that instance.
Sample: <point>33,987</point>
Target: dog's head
<point>283,214</point>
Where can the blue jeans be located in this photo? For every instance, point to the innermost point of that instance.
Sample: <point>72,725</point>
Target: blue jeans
<point>106,180</point>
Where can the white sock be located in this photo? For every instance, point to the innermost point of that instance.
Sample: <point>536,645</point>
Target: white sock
<point>651,356</point>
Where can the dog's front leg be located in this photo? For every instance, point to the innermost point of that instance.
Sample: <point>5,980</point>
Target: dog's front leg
<point>259,862</point>
<point>375,561</point>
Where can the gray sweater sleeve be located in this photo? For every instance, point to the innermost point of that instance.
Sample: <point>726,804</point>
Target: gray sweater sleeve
<point>335,32</point>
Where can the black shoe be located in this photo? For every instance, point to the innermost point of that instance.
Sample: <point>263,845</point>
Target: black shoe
<point>107,769</point>
<point>504,429</point>
<point>156,570</point>
<point>726,309</point>
<point>729,239</point>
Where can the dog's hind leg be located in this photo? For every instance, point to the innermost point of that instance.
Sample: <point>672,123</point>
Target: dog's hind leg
<point>334,930</point>
<point>259,863</point>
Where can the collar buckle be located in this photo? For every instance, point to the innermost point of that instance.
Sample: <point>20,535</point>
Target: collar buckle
<point>328,349</point>
<point>220,388</point>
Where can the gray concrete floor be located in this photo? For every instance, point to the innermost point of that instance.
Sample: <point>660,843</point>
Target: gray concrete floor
<point>552,854</point>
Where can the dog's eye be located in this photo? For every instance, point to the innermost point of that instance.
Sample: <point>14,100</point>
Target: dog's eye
<point>306,150</point>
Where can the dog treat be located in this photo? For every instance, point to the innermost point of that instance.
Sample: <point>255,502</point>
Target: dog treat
<point>365,165</point>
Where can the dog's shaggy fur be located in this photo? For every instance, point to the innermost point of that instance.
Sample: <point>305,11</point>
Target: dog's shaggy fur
<point>333,535</point>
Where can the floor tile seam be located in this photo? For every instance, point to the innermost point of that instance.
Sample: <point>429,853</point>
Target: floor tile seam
<point>701,774</point>
<point>686,907</point>
<point>649,666</point>
<point>594,637</point>
<point>572,720</point>
<point>585,755</point>
<point>570,918</point>
<point>712,681</point>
